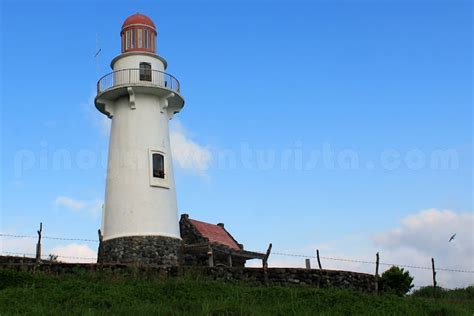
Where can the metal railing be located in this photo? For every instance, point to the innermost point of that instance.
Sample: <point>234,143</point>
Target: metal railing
<point>147,77</point>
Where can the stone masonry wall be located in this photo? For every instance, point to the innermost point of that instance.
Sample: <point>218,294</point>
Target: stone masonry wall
<point>276,276</point>
<point>189,234</point>
<point>298,276</point>
<point>156,250</point>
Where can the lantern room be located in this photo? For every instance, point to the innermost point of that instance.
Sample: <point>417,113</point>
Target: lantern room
<point>138,34</point>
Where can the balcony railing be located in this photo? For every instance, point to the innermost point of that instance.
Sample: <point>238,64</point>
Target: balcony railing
<point>138,76</point>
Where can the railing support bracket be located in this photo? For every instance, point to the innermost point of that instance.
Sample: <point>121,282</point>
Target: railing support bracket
<point>131,93</point>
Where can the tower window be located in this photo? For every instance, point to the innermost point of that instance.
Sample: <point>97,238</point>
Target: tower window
<point>157,174</point>
<point>133,38</point>
<point>158,166</point>
<point>127,39</point>
<point>145,71</point>
<point>146,38</point>
<point>140,38</point>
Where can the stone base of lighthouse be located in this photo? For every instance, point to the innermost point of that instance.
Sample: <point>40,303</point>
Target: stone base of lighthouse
<point>156,250</point>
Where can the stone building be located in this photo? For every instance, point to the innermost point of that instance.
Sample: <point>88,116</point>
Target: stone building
<point>207,244</point>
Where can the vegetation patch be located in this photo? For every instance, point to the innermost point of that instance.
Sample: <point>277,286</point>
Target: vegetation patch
<point>100,293</point>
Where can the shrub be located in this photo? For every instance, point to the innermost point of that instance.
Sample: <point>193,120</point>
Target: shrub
<point>429,291</point>
<point>10,278</point>
<point>52,258</point>
<point>466,293</point>
<point>396,281</point>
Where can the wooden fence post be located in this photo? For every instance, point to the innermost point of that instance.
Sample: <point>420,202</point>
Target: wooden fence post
<point>434,277</point>
<point>38,245</point>
<point>319,261</point>
<point>265,264</point>
<point>377,273</point>
<point>211,257</point>
<point>99,255</point>
<point>308,263</point>
<point>320,272</point>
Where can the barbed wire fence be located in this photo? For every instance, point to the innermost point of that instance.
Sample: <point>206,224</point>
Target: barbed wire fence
<point>306,257</point>
<point>49,237</point>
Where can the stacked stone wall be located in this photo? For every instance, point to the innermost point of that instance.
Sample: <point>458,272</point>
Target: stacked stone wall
<point>276,276</point>
<point>154,250</point>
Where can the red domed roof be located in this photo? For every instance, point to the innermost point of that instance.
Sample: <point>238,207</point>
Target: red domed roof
<point>138,18</point>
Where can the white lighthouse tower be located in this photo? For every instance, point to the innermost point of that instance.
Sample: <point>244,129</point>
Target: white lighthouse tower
<point>140,218</point>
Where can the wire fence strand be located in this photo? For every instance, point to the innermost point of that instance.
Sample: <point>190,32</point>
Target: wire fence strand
<point>46,256</point>
<point>49,237</point>
<point>370,262</point>
<point>274,253</point>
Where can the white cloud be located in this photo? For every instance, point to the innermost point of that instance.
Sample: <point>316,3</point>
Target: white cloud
<point>425,235</point>
<point>75,253</point>
<point>27,247</point>
<point>188,154</point>
<point>69,203</point>
<point>101,121</point>
<point>104,124</point>
<point>276,261</point>
<point>282,261</point>
<point>418,238</point>
<point>91,207</point>
<point>17,245</point>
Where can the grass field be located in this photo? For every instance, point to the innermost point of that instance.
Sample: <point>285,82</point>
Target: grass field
<point>104,293</point>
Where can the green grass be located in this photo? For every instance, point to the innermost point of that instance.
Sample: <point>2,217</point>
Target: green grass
<point>465,294</point>
<point>103,293</point>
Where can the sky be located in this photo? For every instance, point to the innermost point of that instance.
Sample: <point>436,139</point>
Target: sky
<point>344,126</point>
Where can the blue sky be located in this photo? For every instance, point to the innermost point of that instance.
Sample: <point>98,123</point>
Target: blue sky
<point>355,81</point>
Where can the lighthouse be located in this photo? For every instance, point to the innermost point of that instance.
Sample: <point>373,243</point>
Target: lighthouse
<point>139,217</point>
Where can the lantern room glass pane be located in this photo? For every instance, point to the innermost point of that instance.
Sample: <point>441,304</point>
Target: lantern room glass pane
<point>133,39</point>
<point>146,38</point>
<point>139,38</point>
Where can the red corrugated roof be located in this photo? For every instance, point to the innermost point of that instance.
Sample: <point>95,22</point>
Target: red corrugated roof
<point>215,234</point>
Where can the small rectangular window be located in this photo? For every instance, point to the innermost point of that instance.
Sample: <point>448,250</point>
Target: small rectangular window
<point>158,166</point>
<point>127,39</point>
<point>133,39</point>
<point>145,71</point>
<point>158,169</point>
<point>146,38</point>
<point>139,38</point>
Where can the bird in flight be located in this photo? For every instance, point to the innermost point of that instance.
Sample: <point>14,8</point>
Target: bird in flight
<point>452,238</point>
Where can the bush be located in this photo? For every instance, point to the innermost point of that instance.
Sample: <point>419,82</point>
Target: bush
<point>10,278</point>
<point>52,258</point>
<point>466,293</point>
<point>429,291</point>
<point>396,281</point>
<point>118,292</point>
